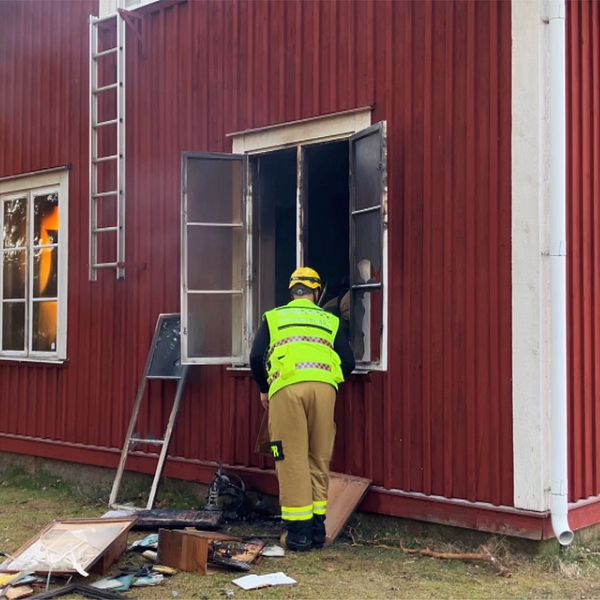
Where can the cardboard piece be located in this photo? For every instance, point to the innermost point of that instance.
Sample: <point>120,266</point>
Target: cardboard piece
<point>182,550</point>
<point>22,591</point>
<point>72,546</point>
<point>345,494</point>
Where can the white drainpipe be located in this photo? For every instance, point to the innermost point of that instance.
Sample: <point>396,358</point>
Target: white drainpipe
<point>558,283</point>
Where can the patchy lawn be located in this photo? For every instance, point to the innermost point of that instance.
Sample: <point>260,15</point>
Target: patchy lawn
<point>366,563</point>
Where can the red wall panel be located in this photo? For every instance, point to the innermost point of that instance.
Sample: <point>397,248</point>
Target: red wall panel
<point>583,242</point>
<point>440,421</point>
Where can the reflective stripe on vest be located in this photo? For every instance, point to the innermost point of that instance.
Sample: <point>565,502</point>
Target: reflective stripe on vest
<point>301,346</point>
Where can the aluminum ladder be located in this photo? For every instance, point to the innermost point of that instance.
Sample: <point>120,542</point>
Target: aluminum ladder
<point>100,62</point>
<point>179,374</point>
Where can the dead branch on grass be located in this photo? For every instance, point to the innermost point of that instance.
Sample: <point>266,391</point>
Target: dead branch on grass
<point>484,556</point>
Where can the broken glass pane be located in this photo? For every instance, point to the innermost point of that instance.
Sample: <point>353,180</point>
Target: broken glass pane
<point>214,258</point>
<point>15,274</point>
<point>213,190</point>
<point>45,219</point>
<point>44,326</point>
<point>214,325</point>
<point>13,326</point>
<point>45,273</point>
<point>367,324</point>
<point>15,223</point>
<point>367,248</point>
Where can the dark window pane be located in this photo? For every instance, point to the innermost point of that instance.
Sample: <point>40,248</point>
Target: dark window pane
<point>215,258</point>
<point>15,274</point>
<point>45,273</point>
<point>214,190</point>
<point>367,171</point>
<point>45,219</point>
<point>214,325</point>
<point>13,326</point>
<point>15,223</point>
<point>44,326</point>
<point>367,248</point>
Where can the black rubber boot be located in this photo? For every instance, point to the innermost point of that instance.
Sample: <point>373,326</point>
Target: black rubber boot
<point>318,531</point>
<point>299,535</point>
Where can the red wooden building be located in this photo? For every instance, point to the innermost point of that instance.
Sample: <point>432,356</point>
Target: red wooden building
<point>412,137</point>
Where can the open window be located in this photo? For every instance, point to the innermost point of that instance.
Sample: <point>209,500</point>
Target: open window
<point>214,241</point>
<point>320,203</point>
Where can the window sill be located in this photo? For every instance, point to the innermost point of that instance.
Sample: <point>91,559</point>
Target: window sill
<point>240,370</point>
<point>42,362</point>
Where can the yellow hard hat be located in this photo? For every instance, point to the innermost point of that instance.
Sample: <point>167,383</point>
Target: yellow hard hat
<point>307,277</point>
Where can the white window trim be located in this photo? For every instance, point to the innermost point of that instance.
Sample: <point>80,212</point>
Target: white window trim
<point>57,179</point>
<point>301,133</point>
<point>110,7</point>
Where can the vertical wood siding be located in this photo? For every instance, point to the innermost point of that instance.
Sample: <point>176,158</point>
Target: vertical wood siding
<point>439,422</point>
<point>583,243</point>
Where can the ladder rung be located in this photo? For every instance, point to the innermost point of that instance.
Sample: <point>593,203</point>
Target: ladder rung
<point>132,509</point>
<point>106,158</point>
<point>105,52</point>
<point>108,265</point>
<point>105,123</point>
<point>105,88</point>
<point>105,229</point>
<point>145,441</point>
<point>104,194</point>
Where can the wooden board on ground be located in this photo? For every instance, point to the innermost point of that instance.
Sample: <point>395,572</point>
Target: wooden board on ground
<point>212,536</point>
<point>182,550</point>
<point>70,546</point>
<point>345,494</point>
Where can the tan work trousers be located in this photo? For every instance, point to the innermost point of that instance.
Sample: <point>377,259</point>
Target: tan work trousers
<point>301,418</point>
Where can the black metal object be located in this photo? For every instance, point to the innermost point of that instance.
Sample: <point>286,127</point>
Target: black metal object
<point>227,494</point>
<point>79,588</point>
<point>177,519</point>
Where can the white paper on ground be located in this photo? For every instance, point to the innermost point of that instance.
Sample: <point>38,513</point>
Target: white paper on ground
<point>253,582</point>
<point>273,550</point>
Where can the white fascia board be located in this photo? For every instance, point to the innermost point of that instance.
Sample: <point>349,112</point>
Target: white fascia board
<point>306,131</point>
<point>531,418</point>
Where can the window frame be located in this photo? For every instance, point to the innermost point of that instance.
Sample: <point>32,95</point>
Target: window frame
<point>31,185</point>
<point>246,296</point>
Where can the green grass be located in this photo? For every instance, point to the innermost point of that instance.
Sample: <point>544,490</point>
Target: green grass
<point>356,566</point>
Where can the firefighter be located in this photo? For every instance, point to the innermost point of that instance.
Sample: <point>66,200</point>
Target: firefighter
<point>299,357</point>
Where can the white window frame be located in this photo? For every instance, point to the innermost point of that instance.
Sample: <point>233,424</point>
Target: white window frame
<point>30,184</point>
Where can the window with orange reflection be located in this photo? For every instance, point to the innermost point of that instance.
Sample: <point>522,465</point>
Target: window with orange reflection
<point>29,273</point>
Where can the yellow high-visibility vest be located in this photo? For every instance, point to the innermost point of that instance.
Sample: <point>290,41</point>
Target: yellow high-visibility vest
<point>301,349</point>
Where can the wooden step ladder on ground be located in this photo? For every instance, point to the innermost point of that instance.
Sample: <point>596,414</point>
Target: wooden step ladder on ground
<point>163,363</point>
